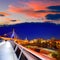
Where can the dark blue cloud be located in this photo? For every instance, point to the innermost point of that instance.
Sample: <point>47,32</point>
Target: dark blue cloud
<point>53,16</point>
<point>51,9</point>
<point>54,8</point>
<point>46,11</point>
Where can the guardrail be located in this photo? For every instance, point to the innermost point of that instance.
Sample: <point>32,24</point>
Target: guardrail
<point>24,53</point>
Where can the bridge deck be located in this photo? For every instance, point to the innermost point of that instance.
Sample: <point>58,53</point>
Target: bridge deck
<point>7,52</point>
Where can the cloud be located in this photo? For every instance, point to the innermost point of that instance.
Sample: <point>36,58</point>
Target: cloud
<point>52,9</point>
<point>55,21</point>
<point>4,14</point>
<point>8,21</point>
<point>28,11</point>
<point>34,8</point>
<point>37,14</point>
<point>47,11</point>
<point>55,8</point>
<point>53,16</point>
<point>13,20</point>
<point>40,1</point>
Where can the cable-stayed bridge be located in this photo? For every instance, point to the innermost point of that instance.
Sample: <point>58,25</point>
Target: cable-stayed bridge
<point>10,50</point>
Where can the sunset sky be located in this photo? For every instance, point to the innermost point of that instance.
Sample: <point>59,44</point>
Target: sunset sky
<point>14,12</point>
<point>18,11</point>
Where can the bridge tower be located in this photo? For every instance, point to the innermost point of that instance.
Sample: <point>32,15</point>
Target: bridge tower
<point>14,35</point>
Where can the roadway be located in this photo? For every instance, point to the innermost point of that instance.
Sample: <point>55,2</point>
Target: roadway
<point>6,51</point>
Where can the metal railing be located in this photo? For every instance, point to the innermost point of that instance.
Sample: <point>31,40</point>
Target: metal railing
<point>24,53</point>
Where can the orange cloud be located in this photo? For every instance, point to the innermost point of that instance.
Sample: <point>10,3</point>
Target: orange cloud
<point>4,14</point>
<point>16,9</point>
<point>30,8</point>
<point>8,21</point>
